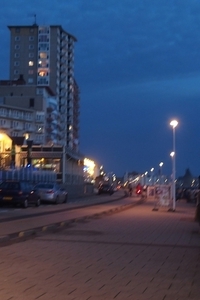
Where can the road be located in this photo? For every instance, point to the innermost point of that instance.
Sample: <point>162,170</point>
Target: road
<point>117,250</point>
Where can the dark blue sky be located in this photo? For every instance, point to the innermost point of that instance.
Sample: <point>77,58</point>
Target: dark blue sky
<point>137,64</point>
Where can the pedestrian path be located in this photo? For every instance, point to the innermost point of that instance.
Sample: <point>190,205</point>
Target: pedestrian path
<point>135,254</point>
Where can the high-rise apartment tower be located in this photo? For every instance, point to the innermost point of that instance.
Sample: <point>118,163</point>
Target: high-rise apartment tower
<point>44,55</point>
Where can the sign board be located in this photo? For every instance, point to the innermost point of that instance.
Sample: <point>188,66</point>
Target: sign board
<point>163,195</point>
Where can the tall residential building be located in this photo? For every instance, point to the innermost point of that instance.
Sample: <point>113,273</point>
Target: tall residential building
<point>44,55</point>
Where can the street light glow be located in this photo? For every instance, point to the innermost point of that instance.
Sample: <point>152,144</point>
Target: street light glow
<point>174,123</point>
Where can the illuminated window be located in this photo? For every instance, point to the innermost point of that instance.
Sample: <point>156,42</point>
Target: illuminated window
<point>42,73</point>
<point>43,64</point>
<point>30,63</point>
<point>43,55</point>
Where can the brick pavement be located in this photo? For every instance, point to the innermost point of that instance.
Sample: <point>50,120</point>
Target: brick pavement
<point>136,254</point>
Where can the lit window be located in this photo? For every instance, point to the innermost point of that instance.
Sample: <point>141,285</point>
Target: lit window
<point>43,55</point>
<point>30,63</point>
<point>42,73</point>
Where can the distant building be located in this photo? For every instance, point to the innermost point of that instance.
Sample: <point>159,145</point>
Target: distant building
<point>41,100</point>
<point>44,55</point>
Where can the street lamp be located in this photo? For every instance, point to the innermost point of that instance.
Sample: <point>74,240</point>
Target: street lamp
<point>160,171</point>
<point>173,123</point>
<point>152,176</point>
<point>145,177</point>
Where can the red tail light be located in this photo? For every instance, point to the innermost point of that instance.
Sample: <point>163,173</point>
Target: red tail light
<point>20,193</point>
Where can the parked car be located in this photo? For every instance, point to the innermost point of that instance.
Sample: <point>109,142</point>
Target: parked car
<point>105,188</point>
<point>18,193</point>
<point>51,192</point>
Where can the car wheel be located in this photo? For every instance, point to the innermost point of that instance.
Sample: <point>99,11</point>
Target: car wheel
<point>38,202</point>
<point>25,203</point>
<point>57,200</point>
<point>66,198</point>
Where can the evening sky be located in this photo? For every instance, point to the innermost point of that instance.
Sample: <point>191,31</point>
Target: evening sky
<point>137,64</point>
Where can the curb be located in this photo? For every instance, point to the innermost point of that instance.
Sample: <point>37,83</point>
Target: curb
<point>60,225</point>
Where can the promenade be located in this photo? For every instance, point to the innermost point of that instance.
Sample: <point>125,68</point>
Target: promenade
<point>135,254</point>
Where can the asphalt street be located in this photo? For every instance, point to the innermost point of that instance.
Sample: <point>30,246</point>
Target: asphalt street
<point>133,253</point>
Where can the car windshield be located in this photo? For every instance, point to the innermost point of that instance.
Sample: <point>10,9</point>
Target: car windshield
<point>9,185</point>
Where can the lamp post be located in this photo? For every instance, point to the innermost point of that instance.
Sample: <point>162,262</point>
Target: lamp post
<point>173,123</point>
<point>146,173</point>
<point>160,171</point>
<point>152,176</point>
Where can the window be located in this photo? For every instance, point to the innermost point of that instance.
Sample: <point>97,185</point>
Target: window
<point>43,38</point>
<point>31,38</point>
<point>30,63</point>
<point>40,117</point>
<point>44,30</point>
<point>30,80</point>
<point>42,73</point>
<point>31,30</point>
<point>30,72</point>
<point>42,81</point>
<point>2,122</point>
<point>31,54</point>
<point>17,29</point>
<point>17,55</point>
<point>43,55</point>
<point>16,72</point>
<point>43,46</point>
<point>16,63</point>
<point>14,124</point>
<point>17,38</point>
<point>31,47</point>
<point>31,102</point>
<point>43,64</point>
<point>17,47</point>
<point>27,126</point>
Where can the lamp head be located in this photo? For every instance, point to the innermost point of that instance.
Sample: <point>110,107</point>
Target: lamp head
<point>174,123</point>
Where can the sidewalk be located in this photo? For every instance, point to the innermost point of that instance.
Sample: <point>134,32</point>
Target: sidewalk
<point>135,254</point>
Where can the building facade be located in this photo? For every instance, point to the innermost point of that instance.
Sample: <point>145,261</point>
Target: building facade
<point>44,55</point>
<point>40,102</point>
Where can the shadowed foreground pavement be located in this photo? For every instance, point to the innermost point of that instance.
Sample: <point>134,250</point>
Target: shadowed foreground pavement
<point>136,254</point>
